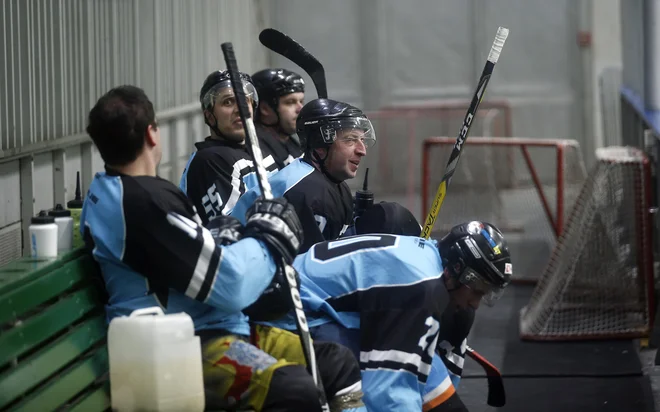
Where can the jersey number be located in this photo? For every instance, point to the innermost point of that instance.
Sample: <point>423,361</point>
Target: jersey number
<point>326,251</point>
<point>429,340</point>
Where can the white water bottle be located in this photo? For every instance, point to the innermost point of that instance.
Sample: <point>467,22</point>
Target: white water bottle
<point>64,223</point>
<point>43,236</point>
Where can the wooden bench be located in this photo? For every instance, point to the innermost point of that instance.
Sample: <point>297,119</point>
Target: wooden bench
<point>53,348</point>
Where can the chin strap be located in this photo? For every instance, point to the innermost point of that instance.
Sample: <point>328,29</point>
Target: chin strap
<point>324,170</point>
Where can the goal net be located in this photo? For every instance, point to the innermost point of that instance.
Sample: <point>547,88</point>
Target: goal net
<point>599,281</point>
<point>525,187</point>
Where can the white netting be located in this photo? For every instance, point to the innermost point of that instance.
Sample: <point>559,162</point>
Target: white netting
<point>516,184</point>
<point>599,281</point>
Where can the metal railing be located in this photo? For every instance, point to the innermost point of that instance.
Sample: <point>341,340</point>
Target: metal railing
<point>59,57</point>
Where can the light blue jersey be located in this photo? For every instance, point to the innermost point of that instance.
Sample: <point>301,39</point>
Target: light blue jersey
<point>148,258</point>
<point>390,288</point>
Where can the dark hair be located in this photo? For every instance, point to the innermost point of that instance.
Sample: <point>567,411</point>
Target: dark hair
<point>118,123</point>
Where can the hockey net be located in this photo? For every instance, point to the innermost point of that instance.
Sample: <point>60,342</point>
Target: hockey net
<point>523,186</point>
<point>599,281</point>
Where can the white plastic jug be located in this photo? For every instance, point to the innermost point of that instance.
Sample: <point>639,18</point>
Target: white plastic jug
<point>155,362</point>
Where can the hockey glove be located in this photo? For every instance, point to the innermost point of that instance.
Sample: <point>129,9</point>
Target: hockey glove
<point>275,301</point>
<point>276,223</point>
<point>225,230</point>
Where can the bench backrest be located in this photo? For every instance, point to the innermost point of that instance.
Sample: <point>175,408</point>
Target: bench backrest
<point>53,349</point>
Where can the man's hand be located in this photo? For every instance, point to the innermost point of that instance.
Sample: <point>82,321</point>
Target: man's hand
<point>226,230</point>
<point>276,223</point>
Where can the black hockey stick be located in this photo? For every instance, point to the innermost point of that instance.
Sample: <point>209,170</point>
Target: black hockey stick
<point>282,44</point>
<point>494,54</point>
<point>496,394</point>
<point>264,185</point>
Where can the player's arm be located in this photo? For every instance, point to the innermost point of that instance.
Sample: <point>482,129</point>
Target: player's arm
<point>211,186</point>
<point>396,360</point>
<point>164,243</point>
<point>312,223</point>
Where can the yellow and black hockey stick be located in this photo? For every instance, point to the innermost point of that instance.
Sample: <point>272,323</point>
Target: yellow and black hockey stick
<point>496,393</point>
<point>493,56</point>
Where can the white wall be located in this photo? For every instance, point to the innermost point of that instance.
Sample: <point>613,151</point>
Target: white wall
<point>606,52</point>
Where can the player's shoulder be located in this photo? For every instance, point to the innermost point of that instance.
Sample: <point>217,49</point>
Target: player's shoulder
<point>214,151</point>
<point>148,193</point>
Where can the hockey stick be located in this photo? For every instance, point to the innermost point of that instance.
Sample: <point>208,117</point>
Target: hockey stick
<point>264,185</point>
<point>282,44</point>
<point>494,54</point>
<point>496,394</point>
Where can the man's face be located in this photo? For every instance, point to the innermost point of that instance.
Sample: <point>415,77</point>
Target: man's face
<point>288,108</point>
<point>345,153</point>
<point>227,118</point>
<point>461,295</point>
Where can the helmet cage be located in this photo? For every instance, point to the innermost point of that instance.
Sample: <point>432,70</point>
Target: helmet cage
<point>209,98</point>
<point>329,130</point>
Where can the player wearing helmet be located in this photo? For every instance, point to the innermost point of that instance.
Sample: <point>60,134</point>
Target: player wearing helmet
<point>391,299</point>
<point>281,97</point>
<point>222,169</point>
<point>335,136</point>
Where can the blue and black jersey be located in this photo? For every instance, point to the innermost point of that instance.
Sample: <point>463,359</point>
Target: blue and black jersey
<point>147,259</point>
<point>218,173</point>
<point>325,208</point>
<point>390,288</point>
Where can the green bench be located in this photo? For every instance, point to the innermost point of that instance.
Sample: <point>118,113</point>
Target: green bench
<point>53,348</point>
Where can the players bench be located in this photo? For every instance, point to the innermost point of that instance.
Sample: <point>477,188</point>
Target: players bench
<point>53,346</point>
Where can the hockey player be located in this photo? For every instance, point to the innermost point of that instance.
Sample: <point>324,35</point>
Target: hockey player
<point>336,136</point>
<point>152,251</point>
<point>221,169</point>
<point>281,97</point>
<point>386,296</point>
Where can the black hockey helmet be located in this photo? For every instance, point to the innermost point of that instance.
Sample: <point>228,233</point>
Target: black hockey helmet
<point>477,255</point>
<point>320,120</point>
<point>388,217</point>
<point>219,80</point>
<point>271,84</point>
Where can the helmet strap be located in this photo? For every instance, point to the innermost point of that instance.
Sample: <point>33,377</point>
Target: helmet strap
<point>321,161</point>
<point>213,126</point>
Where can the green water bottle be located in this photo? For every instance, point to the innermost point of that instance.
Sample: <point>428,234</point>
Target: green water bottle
<point>75,206</point>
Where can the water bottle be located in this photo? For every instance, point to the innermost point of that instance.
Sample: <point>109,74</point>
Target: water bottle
<point>64,223</point>
<point>75,206</point>
<point>155,362</point>
<point>43,236</point>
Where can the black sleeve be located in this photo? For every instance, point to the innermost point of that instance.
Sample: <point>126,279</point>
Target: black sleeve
<point>181,254</point>
<point>382,312</point>
<point>210,185</point>
<point>311,231</point>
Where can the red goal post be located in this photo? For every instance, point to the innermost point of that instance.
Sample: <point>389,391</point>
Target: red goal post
<point>524,186</point>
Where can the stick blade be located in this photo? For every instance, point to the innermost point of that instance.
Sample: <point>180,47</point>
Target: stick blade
<point>284,45</point>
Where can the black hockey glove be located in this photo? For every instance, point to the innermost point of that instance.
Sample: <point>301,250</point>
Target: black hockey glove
<point>276,223</point>
<point>275,301</point>
<point>225,230</point>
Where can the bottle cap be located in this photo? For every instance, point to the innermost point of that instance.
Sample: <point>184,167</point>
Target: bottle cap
<point>42,218</point>
<point>59,211</point>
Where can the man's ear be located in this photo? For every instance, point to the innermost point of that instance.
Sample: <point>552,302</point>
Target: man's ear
<point>265,110</point>
<point>209,117</point>
<point>151,137</point>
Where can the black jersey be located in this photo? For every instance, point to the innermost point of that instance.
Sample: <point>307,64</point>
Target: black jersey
<point>218,173</point>
<point>127,225</point>
<point>283,152</point>
<point>325,208</point>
